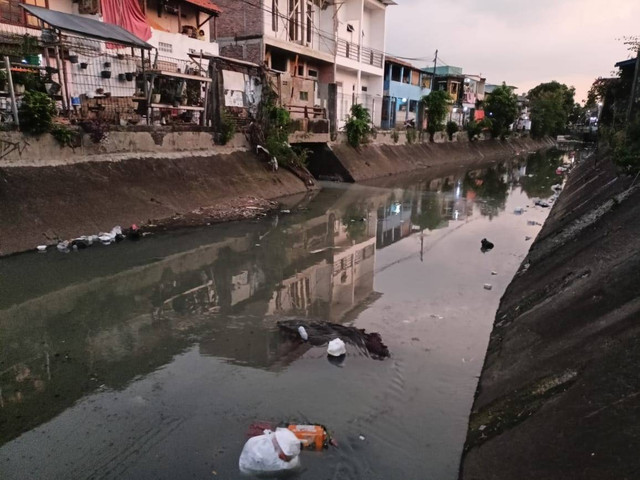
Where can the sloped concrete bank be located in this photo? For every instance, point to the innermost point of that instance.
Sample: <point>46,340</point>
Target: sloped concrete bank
<point>382,159</point>
<point>40,205</point>
<point>559,394</point>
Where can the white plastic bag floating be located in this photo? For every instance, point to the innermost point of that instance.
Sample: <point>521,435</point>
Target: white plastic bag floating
<point>261,454</point>
<point>336,348</point>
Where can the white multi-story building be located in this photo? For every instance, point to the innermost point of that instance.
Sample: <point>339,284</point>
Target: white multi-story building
<point>314,43</point>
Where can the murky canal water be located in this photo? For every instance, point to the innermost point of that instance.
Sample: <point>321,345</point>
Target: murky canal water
<point>150,359</point>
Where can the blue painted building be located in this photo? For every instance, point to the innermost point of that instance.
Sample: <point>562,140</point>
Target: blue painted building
<point>404,86</point>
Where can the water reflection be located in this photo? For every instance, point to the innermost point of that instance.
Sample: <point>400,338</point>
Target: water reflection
<point>100,318</point>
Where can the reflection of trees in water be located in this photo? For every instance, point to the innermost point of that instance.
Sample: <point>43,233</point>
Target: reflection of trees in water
<point>427,213</point>
<point>542,168</point>
<point>354,220</point>
<point>491,189</point>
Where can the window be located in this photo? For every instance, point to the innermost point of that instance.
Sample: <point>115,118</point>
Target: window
<point>312,73</point>
<point>274,15</point>
<point>11,12</point>
<point>301,70</point>
<point>304,96</point>
<point>413,106</point>
<point>165,47</point>
<point>395,73</point>
<point>309,21</point>
<point>347,48</point>
<point>294,20</point>
<point>364,89</point>
<point>278,62</point>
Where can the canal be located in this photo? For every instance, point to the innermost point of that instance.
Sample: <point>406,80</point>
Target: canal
<point>151,359</point>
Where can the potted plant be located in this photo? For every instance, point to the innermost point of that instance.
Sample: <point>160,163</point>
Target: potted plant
<point>105,73</point>
<point>107,64</point>
<point>84,65</point>
<point>73,57</point>
<point>129,76</point>
<point>155,96</point>
<point>122,77</point>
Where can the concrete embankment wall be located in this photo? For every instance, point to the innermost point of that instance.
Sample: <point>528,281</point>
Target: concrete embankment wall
<point>41,204</point>
<point>559,392</point>
<point>383,157</point>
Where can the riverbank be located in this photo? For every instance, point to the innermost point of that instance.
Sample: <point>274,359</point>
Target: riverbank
<point>42,205</point>
<point>558,393</point>
<point>49,197</point>
<point>383,158</point>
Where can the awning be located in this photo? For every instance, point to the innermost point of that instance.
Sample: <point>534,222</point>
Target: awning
<point>86,27</point>
<point>205,6</point>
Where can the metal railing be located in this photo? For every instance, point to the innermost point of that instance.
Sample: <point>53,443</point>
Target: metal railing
<point>365,55</point>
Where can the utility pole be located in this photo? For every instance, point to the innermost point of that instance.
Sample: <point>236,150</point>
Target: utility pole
<point>435,62</point>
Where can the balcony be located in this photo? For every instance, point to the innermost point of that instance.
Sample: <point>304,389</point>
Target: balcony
<point>364,55</point>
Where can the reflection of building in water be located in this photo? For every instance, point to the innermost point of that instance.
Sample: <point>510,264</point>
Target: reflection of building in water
<point>394,222</point>
<point>340,280</point>
<point>352,277</point>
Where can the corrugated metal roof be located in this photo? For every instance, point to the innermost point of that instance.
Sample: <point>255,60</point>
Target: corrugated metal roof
<point>205,6</point>
<point>86,27</point>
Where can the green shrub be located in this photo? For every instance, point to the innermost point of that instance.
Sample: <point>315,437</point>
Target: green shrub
<point>358,126</point>
<point>227,128</point>
<point>395,135</point>
<point>473,130</point>
<point>412,136</point>
<point>36,112</point>
<point>64,135</point>
<point>452,127</point>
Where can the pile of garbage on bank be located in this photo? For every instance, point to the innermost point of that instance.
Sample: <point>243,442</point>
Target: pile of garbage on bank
<point>116,234</point>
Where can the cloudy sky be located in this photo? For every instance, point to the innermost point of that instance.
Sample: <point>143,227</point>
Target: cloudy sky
<point>521,42</point>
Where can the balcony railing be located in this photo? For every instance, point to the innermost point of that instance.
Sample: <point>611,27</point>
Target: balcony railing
<point>355,52</point>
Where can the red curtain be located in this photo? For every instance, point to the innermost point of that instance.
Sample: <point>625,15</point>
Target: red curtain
<point>128,15</point>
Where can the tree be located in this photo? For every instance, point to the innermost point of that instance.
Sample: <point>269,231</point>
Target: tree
<point>437,104</point>
<point>358,125</point>
<point>551,104</point>
<point>502,106</point>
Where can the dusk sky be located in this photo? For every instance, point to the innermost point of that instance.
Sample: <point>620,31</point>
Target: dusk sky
<point>521,42</point>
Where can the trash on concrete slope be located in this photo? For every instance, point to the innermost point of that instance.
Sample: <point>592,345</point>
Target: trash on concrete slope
<point>271,452</point>
<point>336,348</point>
<point>494,273</point>
<point>303,333</point>
<point>519,211</point>
<point>116,234</point>
<point>488,286</point>
<point>542,203</point>
<point>527,238</point>
<point>486,245</point>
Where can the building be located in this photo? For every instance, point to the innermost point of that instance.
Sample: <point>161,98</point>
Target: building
<point>91,74</point>
<point>404,87</point>
<point>317,46</point>
<point>473,92</point>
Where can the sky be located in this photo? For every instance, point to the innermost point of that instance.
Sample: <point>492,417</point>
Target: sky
<point>521,42</point>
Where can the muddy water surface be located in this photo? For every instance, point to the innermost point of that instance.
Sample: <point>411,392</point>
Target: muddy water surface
<point>151,359</point>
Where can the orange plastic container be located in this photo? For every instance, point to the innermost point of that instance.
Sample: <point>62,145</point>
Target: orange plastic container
<point>312,437</point>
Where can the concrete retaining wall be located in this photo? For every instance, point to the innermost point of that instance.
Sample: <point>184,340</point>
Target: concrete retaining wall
<point>558,395</point>
<point>41,204</point>
<point>384,157</point>
<point>39,151</point>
